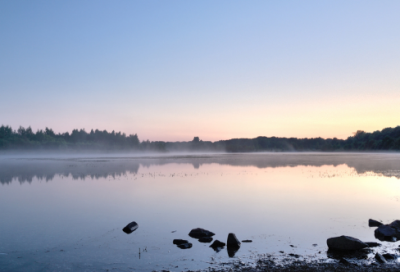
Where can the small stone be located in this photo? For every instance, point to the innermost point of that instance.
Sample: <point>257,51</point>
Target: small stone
<point>185,245</point>
<point>247,241</point>
<point>374,223</point>
<point>180,241</point>
<point>217,244</point>
<point>389,256</point>
<point>131,227</point>
<point>380,258</point>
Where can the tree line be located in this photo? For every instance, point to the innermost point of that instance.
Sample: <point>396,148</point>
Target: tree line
<point>25,139</point>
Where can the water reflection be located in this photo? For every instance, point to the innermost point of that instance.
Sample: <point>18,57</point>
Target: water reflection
<point>25,170</point>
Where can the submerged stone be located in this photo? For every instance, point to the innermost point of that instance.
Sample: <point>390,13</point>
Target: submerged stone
<point>217,244</point>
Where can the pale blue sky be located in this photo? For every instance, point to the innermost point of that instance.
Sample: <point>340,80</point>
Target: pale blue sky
<point>170,70</point>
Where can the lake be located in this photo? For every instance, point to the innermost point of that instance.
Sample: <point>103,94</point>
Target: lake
<point>67,213</point>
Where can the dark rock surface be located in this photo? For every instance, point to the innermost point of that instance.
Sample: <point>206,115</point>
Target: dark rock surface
<point>131,227</point>
<point>389,256</point>
<point>395,224</point>
<point>180,241</point>
<point>345,243</point>
<point>217,243</point>
<point>380,258</point>
<point>205,239</point>
<point>373,244</point>
<point>185,245</point>
<point>374,223</point>
<point>387,233</point>
<point>247,241</point>
<point>233,241</point>
<point>199,233</point>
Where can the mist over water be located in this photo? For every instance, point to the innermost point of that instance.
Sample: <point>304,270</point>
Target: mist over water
<point>67,213</point>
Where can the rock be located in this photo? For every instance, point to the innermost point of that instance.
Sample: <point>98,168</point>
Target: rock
<point>217,244</point>
<point>180,241</point>
<point>380,258</point>
<point>232,251</point>
<point>389,256</point>
<point>185,245</point>
<point>373,244</point>
<point>232,241</point>
<point>199,233</point>
<point>131,227</point>
<point>374,223</point>
<point>205,239</point>
<point>387,233</point>
<point>294,255</point>
<point>345,243</point>
<point>395,224</point>
<point>247,241</point>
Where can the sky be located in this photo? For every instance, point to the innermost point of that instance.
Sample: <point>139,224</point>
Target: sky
<point>172,70</point>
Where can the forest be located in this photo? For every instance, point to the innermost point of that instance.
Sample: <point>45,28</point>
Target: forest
<point>387,139</point>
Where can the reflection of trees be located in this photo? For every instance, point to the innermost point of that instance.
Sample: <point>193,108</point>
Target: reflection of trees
<point>25,170</point>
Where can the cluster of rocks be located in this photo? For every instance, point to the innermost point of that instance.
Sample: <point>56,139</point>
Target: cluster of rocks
<point>389,232</point>
<point>345,244</point>
<point>205,236</point>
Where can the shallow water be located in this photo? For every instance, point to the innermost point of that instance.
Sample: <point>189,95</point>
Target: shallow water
<point>61,214</point>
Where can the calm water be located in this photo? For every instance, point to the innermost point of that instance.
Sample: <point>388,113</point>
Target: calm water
<point>66,214</point>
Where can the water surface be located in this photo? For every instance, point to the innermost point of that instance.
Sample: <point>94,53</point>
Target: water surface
<point>67,214</point>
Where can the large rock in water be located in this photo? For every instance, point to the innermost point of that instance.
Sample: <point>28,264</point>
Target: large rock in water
<point>345,243</point>
<point>199,233</point>
<point>387,233</point>
<point>374,223</point>
<point>233,241</point>
<point>131,227</point>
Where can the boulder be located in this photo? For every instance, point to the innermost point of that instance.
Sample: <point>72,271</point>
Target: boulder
<point>380,258</point>
<point>180,241</point>
<point>205,239</point>
<point>232,241</point>
<point>374,223</point>
<point>345,243</point>
<point>131,227</point>
<point>199,233</point>
<point>185,245</point>
<point>387,233</point>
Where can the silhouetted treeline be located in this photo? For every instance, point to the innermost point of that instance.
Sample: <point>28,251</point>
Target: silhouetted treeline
<point>25,138</point>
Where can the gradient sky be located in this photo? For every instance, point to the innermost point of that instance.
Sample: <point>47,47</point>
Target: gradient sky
<point>171,70</point>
